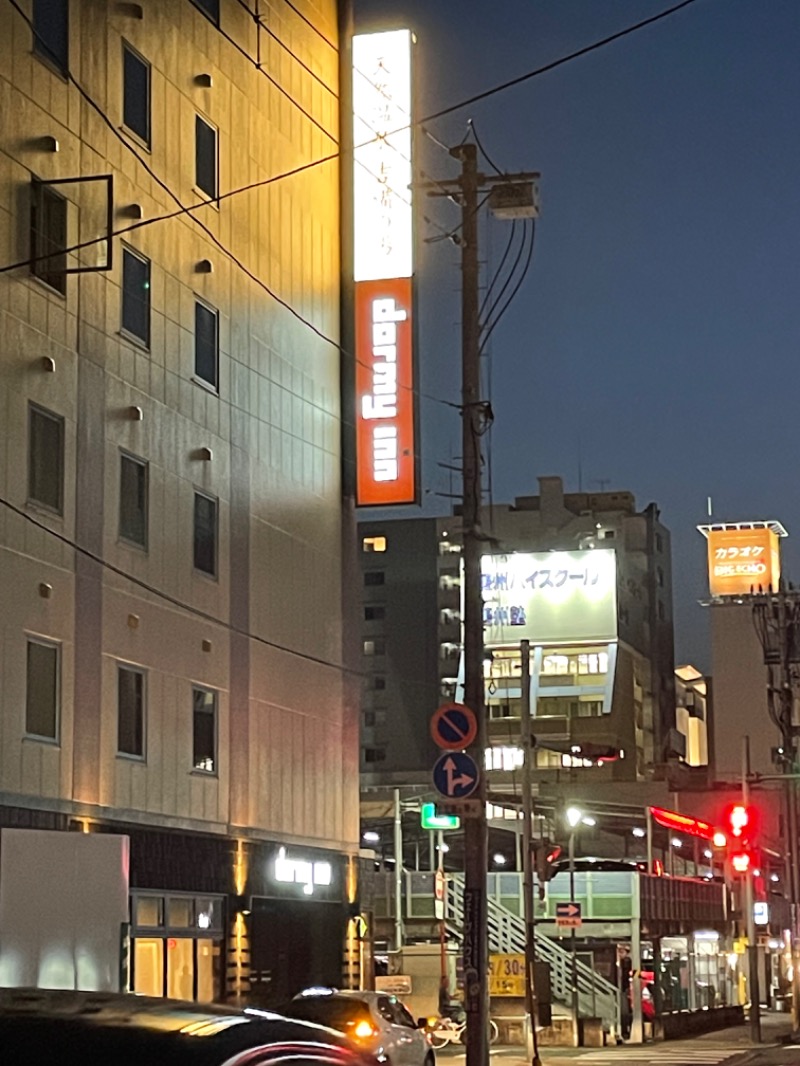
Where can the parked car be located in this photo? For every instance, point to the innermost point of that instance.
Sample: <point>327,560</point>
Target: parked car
<point>374,1021</point>
<point>43,1028</point>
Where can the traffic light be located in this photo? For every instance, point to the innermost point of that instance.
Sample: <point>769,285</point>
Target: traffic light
<point>545,853</point>
<point>742,824</point>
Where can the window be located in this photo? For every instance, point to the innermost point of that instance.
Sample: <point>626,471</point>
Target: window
<point>206,344</point>
<point>374,647</point>
<point>660,577</point>
<point>136,295</point>
<point>374,614</point>
<point>42,692</point>
<point>51,32</point>
<point>205,157</point>
<point>136,93</point>
<point>379,684</point>
<point>369,719</point>
<point>373,544</point>
<point>374,754</point>
<point>133,478</point>
<point>374,577</point>
<point>130,711</point>
<point>46,459</point>
<point>204,730</point>
<point>205,534</point>
<point>48,236</point>
<point>659,543</point>
<point>210,8</point>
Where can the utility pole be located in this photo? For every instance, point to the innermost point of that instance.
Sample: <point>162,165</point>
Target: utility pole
<point>398,872</point>
<point>531,1006</point>
<point>516,193</point>
<point>476,842</point>
<point>777,620</point>
<point>752,947</point>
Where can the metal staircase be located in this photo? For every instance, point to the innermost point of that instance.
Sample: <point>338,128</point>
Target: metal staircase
<point>597,997</point>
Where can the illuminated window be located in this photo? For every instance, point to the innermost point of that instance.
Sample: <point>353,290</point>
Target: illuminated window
<point>504,758</point>
<point>373,544</point>
<point>555,664</point>
<point>374,647</point>
<point>204,730</point>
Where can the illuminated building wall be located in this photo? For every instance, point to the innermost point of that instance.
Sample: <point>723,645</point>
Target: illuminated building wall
<point>173,419</point>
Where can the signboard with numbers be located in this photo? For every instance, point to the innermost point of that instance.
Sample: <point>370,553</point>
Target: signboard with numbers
<point>507,975</point>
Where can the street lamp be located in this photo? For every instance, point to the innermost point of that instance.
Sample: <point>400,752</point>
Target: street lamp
<point>574,817</point>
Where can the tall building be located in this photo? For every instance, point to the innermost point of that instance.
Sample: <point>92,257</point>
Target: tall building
<point>171,519</point>
<point>603,690</point>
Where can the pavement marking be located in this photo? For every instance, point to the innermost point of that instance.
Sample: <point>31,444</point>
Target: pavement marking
<point>662,1056</point>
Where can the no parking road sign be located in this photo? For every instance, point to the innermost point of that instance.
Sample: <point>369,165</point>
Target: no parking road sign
<point>454,727</point>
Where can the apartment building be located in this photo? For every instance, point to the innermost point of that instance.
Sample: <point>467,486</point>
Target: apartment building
<point>171,519</point>
<point>603,699</point>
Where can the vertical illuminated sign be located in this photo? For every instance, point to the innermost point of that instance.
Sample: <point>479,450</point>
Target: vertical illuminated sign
<point>383,263</point>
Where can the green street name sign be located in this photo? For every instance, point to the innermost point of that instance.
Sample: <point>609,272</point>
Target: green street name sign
<point>429,819</point>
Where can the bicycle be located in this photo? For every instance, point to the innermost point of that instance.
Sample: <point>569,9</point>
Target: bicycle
<point>444,1031</point>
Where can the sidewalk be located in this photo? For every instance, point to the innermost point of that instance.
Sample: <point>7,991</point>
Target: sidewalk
<point>775,1030</point>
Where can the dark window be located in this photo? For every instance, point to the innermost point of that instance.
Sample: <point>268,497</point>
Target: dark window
<point>662,614</point>
<point>133,499</point>
<point>210,8</point>
<point>369,718</point>
<point>130,711</point>
<point>49,236</point>
<point>46,459</point>
<point>136,295</point>
<point>204,730</point>
<point>205,533</point>
<point>660,577</point>
<point>51,31</point>
<point>206,344</point>
<point>374,577</point>
<point>374,614</point>
<point>136,93</point>
<point>659,543</point>
<point>379,683</point>
<point>42,696</point>
<point>205,152</point>
<point>374,754</point>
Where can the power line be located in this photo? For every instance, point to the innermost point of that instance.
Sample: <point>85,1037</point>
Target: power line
<point>173,600</point>
<point>515,290</point>
<point>308,22</point>
<point>538,71</point>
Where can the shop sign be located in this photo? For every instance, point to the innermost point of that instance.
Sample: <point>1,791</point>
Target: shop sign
<point>303,872</point>
<point>742,560</point>
<point>507,975</point>
<point>761,912</point>
<point>566,597</point>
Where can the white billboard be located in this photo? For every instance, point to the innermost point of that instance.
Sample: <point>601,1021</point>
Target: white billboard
<point>567,597</point>
<point>382,155</point>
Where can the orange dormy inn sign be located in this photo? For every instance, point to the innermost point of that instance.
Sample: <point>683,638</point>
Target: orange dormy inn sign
<point>385,402</point>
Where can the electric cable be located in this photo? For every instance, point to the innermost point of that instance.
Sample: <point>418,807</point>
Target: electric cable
<point>499,270</point>
<point>523,275</point>
<point>508,281</point>
<point>482,150</point>
<point>308,22</point>
<point>554,64</point>
<point>257,18</point>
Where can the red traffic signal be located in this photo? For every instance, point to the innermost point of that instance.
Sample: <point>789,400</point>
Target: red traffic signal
<point>742,821</point>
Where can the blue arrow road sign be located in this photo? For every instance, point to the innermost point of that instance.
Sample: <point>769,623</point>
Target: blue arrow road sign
<point>456,775</point>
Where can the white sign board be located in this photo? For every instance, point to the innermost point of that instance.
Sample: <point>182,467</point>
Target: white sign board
<point>63,903</point>
<point>382,155</point>
<point>562,597</point>
<point>397,985</point>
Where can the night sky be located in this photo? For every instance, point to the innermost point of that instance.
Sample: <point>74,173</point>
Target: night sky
<point>654,342</point>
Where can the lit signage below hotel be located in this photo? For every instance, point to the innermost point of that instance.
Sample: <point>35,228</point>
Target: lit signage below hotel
<point>301,872</point>
<point>743,557</point>
<point>385,411</point>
